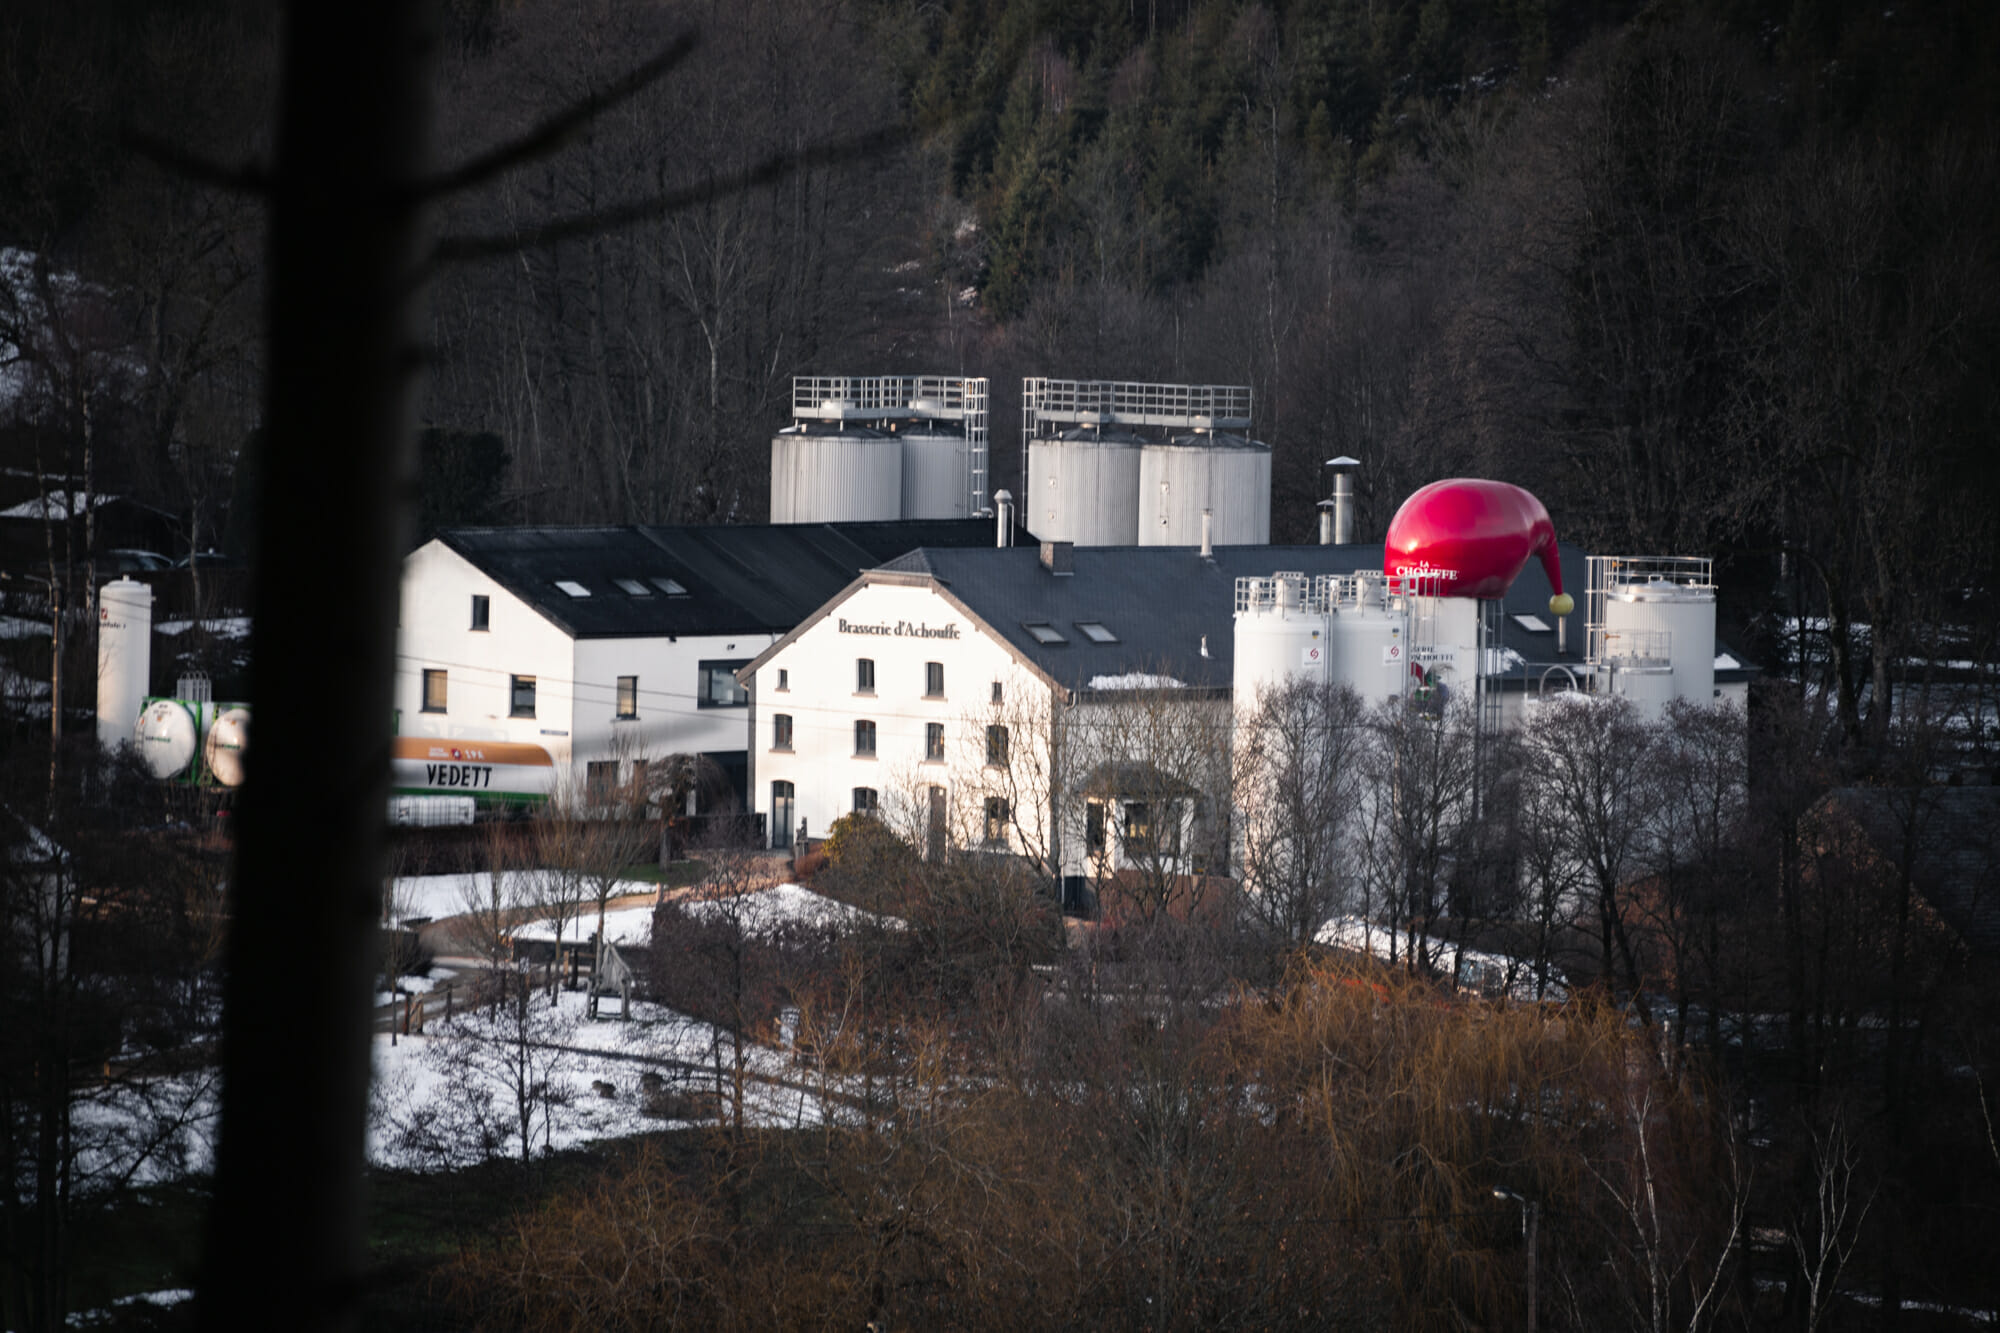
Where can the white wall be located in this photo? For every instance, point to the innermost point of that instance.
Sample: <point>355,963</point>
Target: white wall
<point>671,718</point>
<point>576,681</point>
<point>436,632</point>
<point>823,702</point>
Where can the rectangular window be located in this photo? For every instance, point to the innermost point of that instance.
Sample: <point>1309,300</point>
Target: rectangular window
<point>784,679</point>
<point>521,696</point>
<point>781,731</point>
<point>998,815</point>
<point>434,691</point>
<point>864,738</point>
<point>628,696</point>
<point>996,746</point>
<point>864,801</point>
<point>999,696</point>
<point>600,781</point>
<point>1096,632</point>
<point>717,686</point>
<point>933,680</point>
<point>864,675</point>
<point>1093,827</point>
<point>1138,828</point>
<point>482,608</point>
<point>934,741</point>
<point>781,814</point>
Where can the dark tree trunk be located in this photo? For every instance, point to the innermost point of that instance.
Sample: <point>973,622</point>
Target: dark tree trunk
<point>285,1243</point>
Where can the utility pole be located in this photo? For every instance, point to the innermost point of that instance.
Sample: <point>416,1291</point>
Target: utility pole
<point>1531,1212</point>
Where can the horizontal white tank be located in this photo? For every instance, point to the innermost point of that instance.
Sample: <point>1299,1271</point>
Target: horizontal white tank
<point>507,771</point>
<point>1084,488</point>
<point>167,737</point>
<point>1676,622</point>
<point>937,476</point>
<point>124,658</point>
<point>1224,474</point>
<point>821,474</point>
<point>228,736</point>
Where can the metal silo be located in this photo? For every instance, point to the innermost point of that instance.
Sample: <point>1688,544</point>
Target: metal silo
<point>829,474</point>
<point>124,658</point>
<point>1657,612</point>
<point>937,470</point>
<point>1083,487</point>
<point>1367,636</point>
<point>1281,635</point>
<point>1182,476</point>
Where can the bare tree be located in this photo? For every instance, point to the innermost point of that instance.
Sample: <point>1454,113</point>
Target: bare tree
<point>1298,776</point>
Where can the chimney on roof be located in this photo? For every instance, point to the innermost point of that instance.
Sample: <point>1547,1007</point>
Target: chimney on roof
<point>1004,527</point>
<point>1059,557</point>
<point>1336,526</point>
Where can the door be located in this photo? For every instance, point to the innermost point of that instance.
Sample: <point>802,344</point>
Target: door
<point>781,815</point>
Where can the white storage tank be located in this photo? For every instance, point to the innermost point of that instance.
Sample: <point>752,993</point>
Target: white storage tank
<point>937,471</point>
<point>1367,639</point>
<point>228,735</point>
<point>826,474</point>
<point>1649,687</point>
<point>1083,487</point>
<point>1280,636</point>
<point>167,737</point>
<point>1226,474</point>
<point>1677,619</point>
<point>124,658</point>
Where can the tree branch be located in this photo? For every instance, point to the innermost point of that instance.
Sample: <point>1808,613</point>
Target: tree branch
<point>246,179</point>
<point>461,249</point>
<point>551,133</point>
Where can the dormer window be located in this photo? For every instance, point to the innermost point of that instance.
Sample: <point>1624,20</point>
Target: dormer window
<point>572,588</point>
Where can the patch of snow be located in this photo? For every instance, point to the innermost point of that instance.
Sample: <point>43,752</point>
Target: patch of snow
<point>15,627</point>
<point>624,925</point>
<point>1476,968</point>
<point>222,627</point>
<point>1724,662</point>
<point>59,505</point>
<point>767,910</point>
<point>1135,680</point>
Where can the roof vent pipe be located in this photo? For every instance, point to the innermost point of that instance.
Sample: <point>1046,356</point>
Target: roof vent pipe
<point>1343,500</point>
<point>1326,522</point>
<point>1208,534</point>
<point>1004,526</point>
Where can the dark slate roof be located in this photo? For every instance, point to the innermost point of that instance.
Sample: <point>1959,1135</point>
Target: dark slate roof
<point>1162,601</point>
<point>739,579</point>
<point>1951,836</point>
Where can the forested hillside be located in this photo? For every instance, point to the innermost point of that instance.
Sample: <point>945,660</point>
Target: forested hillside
<point>1707,277</point>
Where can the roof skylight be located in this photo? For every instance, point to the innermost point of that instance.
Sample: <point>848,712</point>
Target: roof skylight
<point>1096,632</point>
<point>671,587</point>
<point>1045,633</point>
<point>633,588</point>
<point>1535,623</point>
<point>572,587</point>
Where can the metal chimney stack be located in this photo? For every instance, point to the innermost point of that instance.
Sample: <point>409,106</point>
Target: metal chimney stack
<point>1208,534</point>
<point>1343,502</point>
<point>1004,525</point>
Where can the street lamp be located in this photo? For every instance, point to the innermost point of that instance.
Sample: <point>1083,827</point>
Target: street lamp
<point>1531,1213</point>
